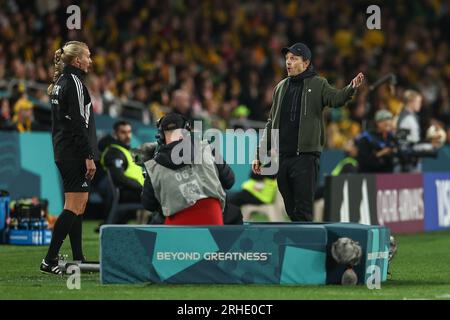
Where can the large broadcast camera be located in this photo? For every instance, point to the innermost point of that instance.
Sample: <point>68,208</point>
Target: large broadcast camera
<point>407,154</point>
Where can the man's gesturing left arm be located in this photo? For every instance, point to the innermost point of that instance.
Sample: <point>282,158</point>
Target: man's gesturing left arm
<point>335,98</point>
<point>357,81</point>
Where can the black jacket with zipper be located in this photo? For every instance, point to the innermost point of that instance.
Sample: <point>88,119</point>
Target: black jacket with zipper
<point>73,127</point>
<point>290,112</point>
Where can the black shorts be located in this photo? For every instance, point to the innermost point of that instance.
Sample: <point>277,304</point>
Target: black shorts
<point>73,174</point>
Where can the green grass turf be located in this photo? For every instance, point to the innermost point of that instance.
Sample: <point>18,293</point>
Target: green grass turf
<point>421,270</point>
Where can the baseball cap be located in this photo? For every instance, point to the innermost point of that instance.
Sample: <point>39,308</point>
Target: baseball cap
<point>172,121</point>
<point>383,115</point>
<point>299,49</point>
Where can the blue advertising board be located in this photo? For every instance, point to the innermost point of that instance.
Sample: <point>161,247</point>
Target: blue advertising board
<point>253,253</point>
<point>437,200</point>
<point>269,254</point>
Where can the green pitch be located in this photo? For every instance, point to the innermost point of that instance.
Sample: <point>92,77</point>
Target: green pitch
<point>421,270</point>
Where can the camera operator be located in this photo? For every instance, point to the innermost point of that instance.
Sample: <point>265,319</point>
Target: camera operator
<point>185,191</point>
<point>376,148</point>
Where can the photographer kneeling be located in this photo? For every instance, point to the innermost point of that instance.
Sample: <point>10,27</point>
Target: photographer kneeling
<point>376,148</point>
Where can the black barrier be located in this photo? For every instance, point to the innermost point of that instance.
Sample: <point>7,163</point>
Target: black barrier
<point>405,203</point>
<point>351,198</point>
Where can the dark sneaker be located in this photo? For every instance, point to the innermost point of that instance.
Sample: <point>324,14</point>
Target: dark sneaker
<point>50,268</point>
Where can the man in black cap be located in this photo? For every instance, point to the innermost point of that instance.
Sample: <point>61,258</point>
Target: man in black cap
<point>297,105</point>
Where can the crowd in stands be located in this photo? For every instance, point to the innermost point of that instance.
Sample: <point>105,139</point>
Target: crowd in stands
<point>220,60</point>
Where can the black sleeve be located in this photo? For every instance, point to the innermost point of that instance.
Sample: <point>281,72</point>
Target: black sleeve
<point>226,174</point>
<point>74,99</point>
<point>148,198</point>
<point>366,156</point>
<point>116,163</point>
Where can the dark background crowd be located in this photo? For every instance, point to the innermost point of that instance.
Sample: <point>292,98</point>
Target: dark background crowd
<point>220,60</point>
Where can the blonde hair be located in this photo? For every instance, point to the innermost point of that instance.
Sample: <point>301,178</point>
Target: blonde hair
<point>64,56</point>
<point>410,95</point>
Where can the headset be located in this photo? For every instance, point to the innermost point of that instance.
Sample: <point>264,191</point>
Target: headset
<point>160,138</point>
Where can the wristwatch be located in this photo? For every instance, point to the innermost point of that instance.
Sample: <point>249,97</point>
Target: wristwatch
<point>90,157</point>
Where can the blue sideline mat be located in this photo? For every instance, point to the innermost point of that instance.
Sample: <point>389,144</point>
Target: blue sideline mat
<point>374,242</point>
<point>260,253</point>
<point>265,254</point>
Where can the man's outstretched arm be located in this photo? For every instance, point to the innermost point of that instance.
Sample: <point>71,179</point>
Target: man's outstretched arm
<point>335,98</point>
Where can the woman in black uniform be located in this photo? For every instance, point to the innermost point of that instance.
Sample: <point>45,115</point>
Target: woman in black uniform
<point>74,146</point>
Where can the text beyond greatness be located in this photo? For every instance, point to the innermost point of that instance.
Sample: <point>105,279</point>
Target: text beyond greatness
<point>213,256</point>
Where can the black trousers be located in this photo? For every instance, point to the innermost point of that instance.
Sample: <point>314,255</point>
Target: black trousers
<point>128,196</point>
<point>297,178</point>
<point>232,213</point>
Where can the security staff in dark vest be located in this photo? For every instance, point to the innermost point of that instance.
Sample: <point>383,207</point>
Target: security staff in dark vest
<point>297,112</point>
<point>185,180</point>
<point>118,159</point>
<point>346,165</point>
<point>257,190</point>
<point>349,164</point>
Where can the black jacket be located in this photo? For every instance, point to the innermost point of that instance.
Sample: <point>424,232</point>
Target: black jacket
<point>117,163</point>
<point>290,112</point>
<point>369,143</point>
<point>149,201</point>
<point>73,127</point>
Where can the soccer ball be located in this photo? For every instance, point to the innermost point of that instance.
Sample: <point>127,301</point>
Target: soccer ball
<point>346,251</point>
<point>434,133</point>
